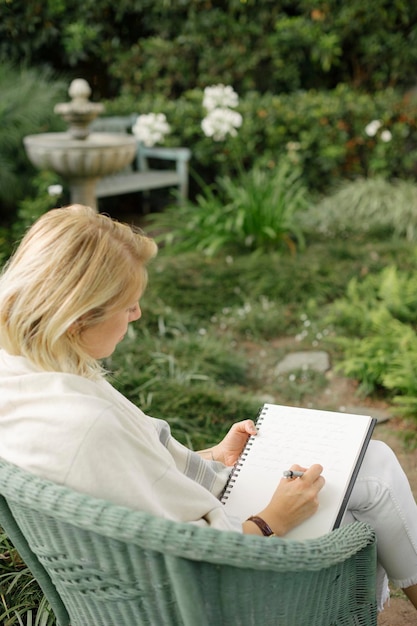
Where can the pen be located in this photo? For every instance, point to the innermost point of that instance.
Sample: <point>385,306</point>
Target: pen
<point>293,474</point>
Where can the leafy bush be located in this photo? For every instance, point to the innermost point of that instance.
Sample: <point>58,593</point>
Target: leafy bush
<point>256,211</point>
<point>392,290</point>
<point>26,107</point>
<point>29,209</point>
<point>376,330</point>
<point>323,133</point>
<point>168,47</point>
<point>368,359</point>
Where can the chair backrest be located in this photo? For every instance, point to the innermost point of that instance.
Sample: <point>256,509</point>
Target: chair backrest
<point>9,525</point>
<point>105,565</point>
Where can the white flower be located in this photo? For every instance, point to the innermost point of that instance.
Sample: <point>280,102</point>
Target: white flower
<point>151,128</point>
<point>221,122</point>
<point>55,190</point>
<point>222,96</point>
<point>293,146</point>
<point>372,128</point>
<point>386,135</point>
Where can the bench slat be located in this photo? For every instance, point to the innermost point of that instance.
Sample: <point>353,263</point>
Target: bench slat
<point>136,181</point>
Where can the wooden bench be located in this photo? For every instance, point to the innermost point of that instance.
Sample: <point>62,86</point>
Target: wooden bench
<point>142,174</point>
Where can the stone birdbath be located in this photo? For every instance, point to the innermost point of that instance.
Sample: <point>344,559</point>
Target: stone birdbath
<point>80,157</point>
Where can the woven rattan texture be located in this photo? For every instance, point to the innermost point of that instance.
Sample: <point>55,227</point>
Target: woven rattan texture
<point>109,566</point>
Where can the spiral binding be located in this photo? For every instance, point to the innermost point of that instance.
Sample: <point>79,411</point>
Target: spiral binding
<point>239,463</point>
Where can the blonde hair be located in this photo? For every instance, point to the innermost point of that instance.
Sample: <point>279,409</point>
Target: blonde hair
<point>73,269</point>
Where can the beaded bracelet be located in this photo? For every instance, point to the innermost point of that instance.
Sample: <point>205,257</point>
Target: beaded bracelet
<point>265,529</point>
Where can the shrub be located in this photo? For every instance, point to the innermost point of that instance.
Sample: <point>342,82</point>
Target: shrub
<point>168,47</point>
<point>322,133</point>
<point>26,107</point>
<point>375,329</point>
<point>257,211</point>
<point>29,209</point>
<point>372,206</point>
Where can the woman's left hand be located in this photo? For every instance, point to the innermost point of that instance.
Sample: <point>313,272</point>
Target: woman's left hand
<point>231,447</point>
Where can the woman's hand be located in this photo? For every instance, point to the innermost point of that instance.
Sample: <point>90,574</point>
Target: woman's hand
<point>231,447</point>
<point>294,501</point>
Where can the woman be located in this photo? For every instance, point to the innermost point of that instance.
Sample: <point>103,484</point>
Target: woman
<point>66,299</point>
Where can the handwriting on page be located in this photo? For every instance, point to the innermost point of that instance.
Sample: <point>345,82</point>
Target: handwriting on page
<point>304,443</point>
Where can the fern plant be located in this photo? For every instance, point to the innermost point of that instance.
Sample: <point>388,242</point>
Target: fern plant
<point>390,289</point>
<point>375,326</point>
<point>369,359</point>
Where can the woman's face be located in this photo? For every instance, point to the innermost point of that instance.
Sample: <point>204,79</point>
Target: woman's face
<point>101,339</point>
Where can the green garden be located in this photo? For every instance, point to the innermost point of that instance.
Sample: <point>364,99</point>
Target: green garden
<point>300,232</point>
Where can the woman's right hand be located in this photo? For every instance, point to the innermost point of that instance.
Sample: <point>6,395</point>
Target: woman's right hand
<point>294,501</point>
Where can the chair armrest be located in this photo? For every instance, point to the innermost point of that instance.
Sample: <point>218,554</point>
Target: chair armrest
<point>181,539</point>
<point>186,540</point>
<point>250,551</point>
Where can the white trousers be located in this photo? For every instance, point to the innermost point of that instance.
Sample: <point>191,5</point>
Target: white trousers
<point>382,497</point>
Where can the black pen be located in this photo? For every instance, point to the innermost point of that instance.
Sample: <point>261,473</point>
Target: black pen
<point>293,474</point>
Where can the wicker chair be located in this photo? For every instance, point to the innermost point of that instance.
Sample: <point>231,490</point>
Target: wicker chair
<point>104,565</point>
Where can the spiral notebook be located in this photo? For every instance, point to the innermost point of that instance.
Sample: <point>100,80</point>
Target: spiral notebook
<point>288,435</point>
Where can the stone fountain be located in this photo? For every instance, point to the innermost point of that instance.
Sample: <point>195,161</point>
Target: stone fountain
<point>80,157</point>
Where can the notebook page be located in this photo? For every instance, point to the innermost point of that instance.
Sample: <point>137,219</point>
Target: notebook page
<point>288,435</point>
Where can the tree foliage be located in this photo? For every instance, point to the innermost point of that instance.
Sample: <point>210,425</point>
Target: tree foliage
<point>170,46</point>
<point>26,107</point>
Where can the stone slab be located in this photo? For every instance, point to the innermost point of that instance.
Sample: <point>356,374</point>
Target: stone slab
<point>317,360</point>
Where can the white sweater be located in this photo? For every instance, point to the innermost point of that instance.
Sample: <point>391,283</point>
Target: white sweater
<point>86,435</point>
